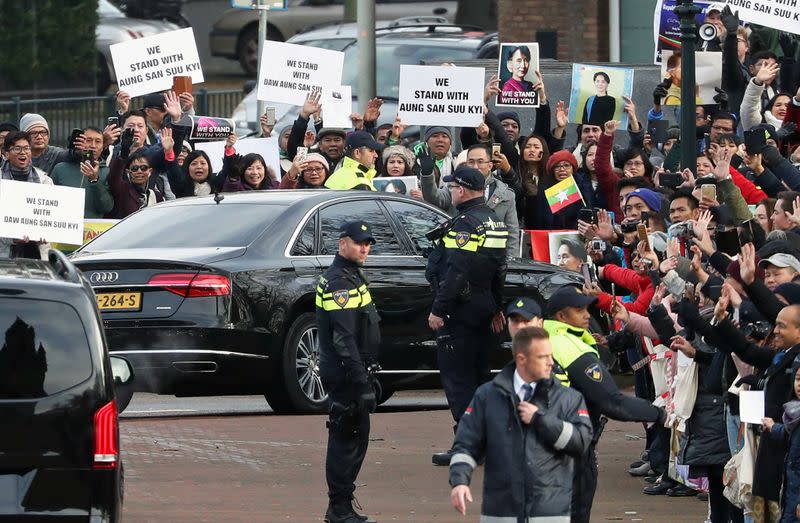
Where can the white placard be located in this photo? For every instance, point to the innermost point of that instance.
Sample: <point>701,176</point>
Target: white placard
<point>289,71</point>
<point>396,184</point>
<point>783,15</point>
<point>41,211</point>
<point>266,147</point>
<point>337,106</point>
<point>751,406</point>
<point>147,65</point>
<point>441,95</point>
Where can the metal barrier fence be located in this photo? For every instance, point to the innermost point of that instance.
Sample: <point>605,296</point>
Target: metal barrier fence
<point>65,114</point>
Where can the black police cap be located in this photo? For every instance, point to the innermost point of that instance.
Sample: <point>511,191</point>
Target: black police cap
<point>525,307</point>
<point>358,230</point>
<point>468,177</point>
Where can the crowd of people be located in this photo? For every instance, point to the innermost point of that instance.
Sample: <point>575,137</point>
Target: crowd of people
<point>697,271</point>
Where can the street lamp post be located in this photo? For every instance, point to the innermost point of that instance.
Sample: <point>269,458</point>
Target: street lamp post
<point>687,11</point>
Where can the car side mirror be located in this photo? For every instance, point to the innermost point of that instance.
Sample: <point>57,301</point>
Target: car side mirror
<point>121,370</point>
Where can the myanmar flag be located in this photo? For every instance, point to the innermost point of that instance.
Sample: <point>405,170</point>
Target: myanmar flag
<point>563,194</point>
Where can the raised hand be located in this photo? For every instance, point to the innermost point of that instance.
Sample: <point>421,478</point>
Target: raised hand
<point>111,134</point>
<point>561,114</point>
<point>187,101</point>
<point>230,141</point>
<point>167,141</point>
<point>747,263</point>
<point>373,111</point>
<point>611,127</point>
<point>397,128</point>
<point>767,73</point>
<point>492,88</point>
<point>123,101</point>
<point>172,105</point>
<point>311,105</point>
<point>90,170</point>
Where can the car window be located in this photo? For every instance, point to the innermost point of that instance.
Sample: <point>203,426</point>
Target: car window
<point>417,221</point>
<point>44,348</point>
<point>232,225</point>
<point>333,216</point>
<point>304,246</point>
<point>390,55</point>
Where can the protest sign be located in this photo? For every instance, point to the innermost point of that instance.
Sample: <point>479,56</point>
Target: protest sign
<point>147,65</point>
<point>266,147</point>
<point>545,244</point>
<point>40,211</point>
<point>751,406</point>
<point>783,15</point>
<point>597,92</point>
<point>667,25</point>
<point>337,106</point>
<point>92,228</point>
<point>396,184</point>
<point>440,95</point>
<point>708,75</point>
<point>289,71</point>
<point>516,70</point>
<point>211,128</point>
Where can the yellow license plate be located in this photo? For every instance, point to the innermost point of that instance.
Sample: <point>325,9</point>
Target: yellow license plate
<point>119,301</point>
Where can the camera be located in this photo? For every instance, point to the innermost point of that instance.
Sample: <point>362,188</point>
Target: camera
<point>587,215</point>
<point>628,227</point>
<point>758,330</point>
<point>707,32</point>
<point>598,245</point>
<point>682,230</point>
<point>670,180</point>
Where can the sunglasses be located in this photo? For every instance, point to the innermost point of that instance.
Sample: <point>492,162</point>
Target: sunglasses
<point>134,168</point>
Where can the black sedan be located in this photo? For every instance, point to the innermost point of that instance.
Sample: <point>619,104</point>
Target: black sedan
<point>209,297</point>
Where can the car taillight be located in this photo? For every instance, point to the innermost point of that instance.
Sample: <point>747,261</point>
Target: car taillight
<point>190,285</point>
<point>106,447</point>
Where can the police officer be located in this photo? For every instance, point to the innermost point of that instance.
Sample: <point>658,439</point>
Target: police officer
<point>348,339</point>
<point>467,271</point>
<point>523,312</point>
<point>577,363</point>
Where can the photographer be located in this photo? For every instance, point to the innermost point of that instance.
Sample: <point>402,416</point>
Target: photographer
<point>87,172</point>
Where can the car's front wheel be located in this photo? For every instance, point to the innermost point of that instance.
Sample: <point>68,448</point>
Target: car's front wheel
<point>298,387</point>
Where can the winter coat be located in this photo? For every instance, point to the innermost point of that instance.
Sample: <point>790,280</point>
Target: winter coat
<point>529,468</point>
<point>127,199</point>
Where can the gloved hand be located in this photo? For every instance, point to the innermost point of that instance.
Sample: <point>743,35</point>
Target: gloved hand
<point>751,380</point>
<point>787,44</point>
<point>688,313</point>
<point>425,162</point>
<point>721,98</point>
<point>367,402</point>
<point>729,19</point>
<point>233,166</point>
<point>125,143</point>
<point>660,92</point>
<point>785,131</point>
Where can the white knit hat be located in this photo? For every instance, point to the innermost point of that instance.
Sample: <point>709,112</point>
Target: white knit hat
<point>32,120</point>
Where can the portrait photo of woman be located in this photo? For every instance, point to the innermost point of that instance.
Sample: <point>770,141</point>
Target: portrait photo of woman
<point>517,74</point>
<point>600,107</point>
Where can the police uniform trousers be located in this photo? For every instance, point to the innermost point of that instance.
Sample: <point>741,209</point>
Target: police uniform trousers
<point>584,485</point>
<point>348,434</point>
<point>463,346</point>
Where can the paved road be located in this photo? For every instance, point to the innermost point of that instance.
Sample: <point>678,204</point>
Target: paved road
<point>184,464</point>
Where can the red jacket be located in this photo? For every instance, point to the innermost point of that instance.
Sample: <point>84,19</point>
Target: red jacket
<point>606,177</point>
<point>631,280</point>
<point>750,192</point>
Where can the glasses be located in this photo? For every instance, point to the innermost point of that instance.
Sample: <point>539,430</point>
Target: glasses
<point>563,166</point>
<point>20,149</point>
<point>43,132</point>
<point>473,163</point>
<point>453,186</point>
<point>134,168</point>
<point>314,170</point>
<point>635,163</point>
<point>721,128</point>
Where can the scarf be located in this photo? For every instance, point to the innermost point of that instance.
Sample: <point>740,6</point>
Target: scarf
<point>21,175</point>
<point>202,189</point>
<point>791,415</point>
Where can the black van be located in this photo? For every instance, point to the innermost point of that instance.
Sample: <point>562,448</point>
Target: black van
<point>59,437</point>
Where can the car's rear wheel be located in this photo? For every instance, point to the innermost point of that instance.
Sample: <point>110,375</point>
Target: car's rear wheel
<point>298,387</point>
<point>247,48</point>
